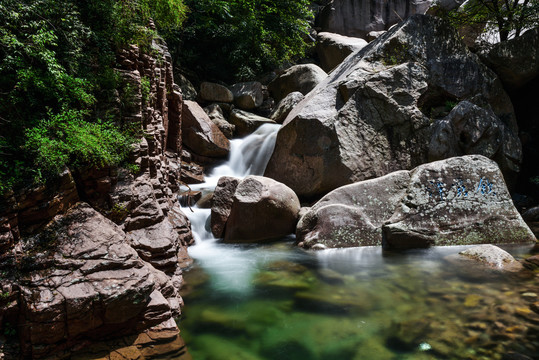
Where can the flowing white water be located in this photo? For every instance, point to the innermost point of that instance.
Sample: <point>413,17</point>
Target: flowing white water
<point>231,267</point>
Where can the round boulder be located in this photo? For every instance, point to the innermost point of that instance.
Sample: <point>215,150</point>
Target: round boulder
<point>263,209</point>
<point>302,78</point>
<point>247,95</point>
<point>215,93</point>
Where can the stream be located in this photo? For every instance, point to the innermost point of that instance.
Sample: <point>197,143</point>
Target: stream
<point>277,301</point>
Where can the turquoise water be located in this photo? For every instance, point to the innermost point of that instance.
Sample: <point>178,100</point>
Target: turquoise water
<point>279,302</point>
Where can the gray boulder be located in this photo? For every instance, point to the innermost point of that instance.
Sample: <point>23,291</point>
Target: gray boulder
<point>302,78</point>
<point>200,134</point>
<point>357,18</point>
<point>515,61</point>
<point>388,107</point>
<point>457,201</point>
<point>247,95</point>
<point>213,92</point>
<point>263,209</point>
<point>286,105</point>
<point>490,257</point>
<point>332,48</point>
<point>216,115</point>
<point>246,123</point>
<point>222,200</point>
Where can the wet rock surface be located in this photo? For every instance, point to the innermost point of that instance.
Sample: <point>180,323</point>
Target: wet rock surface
<point>246,123</point>
<point>458,201</point>
<point>377,112</point>
<point>223,198</point>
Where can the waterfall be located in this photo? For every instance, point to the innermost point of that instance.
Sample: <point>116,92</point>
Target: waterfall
<point>230,268</point>
<point>248,156</point>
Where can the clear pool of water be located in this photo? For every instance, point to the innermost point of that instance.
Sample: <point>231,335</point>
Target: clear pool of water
<point>279,302</point>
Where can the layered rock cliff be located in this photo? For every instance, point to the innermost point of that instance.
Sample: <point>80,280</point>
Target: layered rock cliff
<point>99,253</point>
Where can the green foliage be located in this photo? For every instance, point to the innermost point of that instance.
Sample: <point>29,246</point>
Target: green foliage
<point>57,60</point>
<point>510,18</point>
<point>67,140</point>
<point>239,39</point>
<point>449,105</point>
<point>118,213</point>
<point>9,330</point>
<point>145,88</point>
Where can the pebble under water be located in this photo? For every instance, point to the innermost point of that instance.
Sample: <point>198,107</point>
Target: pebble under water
<point>279,302</point>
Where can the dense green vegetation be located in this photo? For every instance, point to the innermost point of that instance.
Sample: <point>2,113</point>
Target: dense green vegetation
<point>56,72</point>
<point>240,39</point>
<point>57,60</point>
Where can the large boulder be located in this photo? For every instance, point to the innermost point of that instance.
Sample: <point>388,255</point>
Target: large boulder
<point>357,18</point>
<point>87,282</point>
<point>213,92</point>
<point>247,95</point>
<point>394,105</point>
<point>332,48</point>
<point>515,61</point>
<point>458,201</point>
<point>302,78</point>
<point>246,123</point>
<point>200,134</point>
<point>263,209</point>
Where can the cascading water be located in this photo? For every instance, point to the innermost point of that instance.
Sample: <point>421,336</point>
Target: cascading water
<point>230,268</point>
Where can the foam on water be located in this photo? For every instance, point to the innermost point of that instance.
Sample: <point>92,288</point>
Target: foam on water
<point>231,268</point>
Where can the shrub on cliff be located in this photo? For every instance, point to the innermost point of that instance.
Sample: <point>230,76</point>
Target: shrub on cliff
<point>56,66</point>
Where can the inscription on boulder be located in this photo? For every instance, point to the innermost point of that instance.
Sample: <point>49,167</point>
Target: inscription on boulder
<point>458,201</point>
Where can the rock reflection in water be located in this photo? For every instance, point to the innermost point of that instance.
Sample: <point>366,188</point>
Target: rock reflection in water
<point>362,304</point>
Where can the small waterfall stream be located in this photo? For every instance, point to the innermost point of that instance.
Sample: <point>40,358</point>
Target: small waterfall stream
<point>273,301</point>
<point>231,267</point>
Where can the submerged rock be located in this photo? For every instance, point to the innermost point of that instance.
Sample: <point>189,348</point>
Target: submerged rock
<point>413,95</point>
<point>263,209</point>
<point>492,257</point>
<point>458,201</point>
